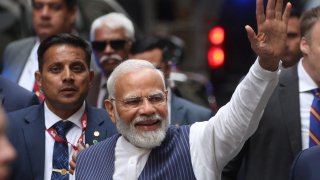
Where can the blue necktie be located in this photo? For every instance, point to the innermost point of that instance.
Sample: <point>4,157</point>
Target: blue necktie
<point>314,130</point>
<point>60,158</point>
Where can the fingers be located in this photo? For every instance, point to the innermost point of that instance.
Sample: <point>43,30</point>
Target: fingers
<point>72,163</point>
<point>279,5</point>
<point>251,35</point>
<point>270,11</point>
<point>260,12</point>
<point>287,12</point>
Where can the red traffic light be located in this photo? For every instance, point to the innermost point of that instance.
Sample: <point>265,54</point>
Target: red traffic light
<point>216,57</point>
<point>216,35</point>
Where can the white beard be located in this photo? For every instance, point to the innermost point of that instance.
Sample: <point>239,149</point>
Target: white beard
<point>142,139</point>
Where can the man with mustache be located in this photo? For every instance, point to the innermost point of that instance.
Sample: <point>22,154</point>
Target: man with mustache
<point>147,148</point>
<point>111,38</point>
<point>49,17</point>
<point>46,135</point>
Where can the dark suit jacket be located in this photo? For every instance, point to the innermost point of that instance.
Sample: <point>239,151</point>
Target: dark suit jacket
<point>269,153</point>
<point>185,112</point>
<point>26,132</point>
<point>306,165</point>
<point>92,97</point>
<point>15,57</point>
<point>14,97</point>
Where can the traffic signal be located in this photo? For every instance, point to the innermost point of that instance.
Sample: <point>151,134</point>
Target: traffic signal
<point>216,54</point>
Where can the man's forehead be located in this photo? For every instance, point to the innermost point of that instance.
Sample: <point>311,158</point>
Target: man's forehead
<point>50,1</point>
<point>106,33</point>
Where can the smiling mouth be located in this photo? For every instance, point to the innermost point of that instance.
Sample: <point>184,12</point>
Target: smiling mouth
<point>149,125</point>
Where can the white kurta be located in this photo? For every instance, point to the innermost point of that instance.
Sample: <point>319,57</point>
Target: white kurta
<point>215,142</point>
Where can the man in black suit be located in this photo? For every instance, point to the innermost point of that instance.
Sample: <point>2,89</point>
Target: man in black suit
<point>65,77</point>
<point>14,97</point>
<point>284,128</point>
<point>181,111</point>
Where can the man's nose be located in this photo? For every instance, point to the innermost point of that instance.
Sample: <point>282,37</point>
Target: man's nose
<point>146,108</point>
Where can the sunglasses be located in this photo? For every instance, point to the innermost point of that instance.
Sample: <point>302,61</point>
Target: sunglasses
<point>114,44</point>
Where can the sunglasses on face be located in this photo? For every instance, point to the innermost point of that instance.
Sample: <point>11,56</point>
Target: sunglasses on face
<point>114,44</point>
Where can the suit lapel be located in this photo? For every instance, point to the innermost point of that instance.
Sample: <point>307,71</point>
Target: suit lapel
<point>177,110</point>
<point>21,59</point>
<point>95,131</point>
<point>34,134</point>
<point>290,106</point>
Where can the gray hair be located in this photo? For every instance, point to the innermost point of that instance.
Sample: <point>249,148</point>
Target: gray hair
<point>113,21</point>
<point>308,20</point>
<point>128,66</point>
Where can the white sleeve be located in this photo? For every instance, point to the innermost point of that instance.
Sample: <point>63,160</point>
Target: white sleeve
<point>215,142</point>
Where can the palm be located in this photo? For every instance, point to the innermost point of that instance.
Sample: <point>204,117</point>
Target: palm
<point>270,41</point>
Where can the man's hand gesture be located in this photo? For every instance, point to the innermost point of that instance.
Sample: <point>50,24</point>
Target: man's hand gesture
<point>270,41</point>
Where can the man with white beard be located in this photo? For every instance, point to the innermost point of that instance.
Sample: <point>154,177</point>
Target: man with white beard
<point>147,148</point>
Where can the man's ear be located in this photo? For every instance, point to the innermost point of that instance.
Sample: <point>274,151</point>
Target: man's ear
<point>110,109</point>
<point>304,46</point>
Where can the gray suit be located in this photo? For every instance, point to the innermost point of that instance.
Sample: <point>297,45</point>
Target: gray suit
<point>15,57</point>
<point>269,153</point>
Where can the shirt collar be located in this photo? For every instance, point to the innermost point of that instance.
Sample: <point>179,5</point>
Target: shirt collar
<point>51,118</point>
<point>305,81</point>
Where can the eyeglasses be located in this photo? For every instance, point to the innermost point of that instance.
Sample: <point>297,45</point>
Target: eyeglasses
<point>115,44</point>
<point>155,99</point>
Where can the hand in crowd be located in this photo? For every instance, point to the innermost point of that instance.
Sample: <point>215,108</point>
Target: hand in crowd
<point>270,41</point>
<point>72,163</point>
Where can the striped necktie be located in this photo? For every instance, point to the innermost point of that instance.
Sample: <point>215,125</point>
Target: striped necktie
<point>60,158</point>
<point>314,129</point>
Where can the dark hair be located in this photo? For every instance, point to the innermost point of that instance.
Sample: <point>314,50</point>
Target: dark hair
<point>71,4</point>
<point>63,38</point>
<point>150,43</point>
<point>308,20</point>
<point>295,13</point>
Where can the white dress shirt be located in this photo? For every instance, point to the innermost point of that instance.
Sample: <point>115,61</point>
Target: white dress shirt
<point>212,143</point>
<point>27,78</point>
<point>306,84</point>
<point>72,136</point>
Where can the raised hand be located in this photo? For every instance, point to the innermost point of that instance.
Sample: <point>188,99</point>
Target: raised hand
<point>270,41</point>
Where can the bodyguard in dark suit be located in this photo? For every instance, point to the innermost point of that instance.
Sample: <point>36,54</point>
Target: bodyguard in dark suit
<point>64,76</point>
<point>268,154</point>
<point>182,111</point>
<point>14,97</point>
<point>287,125</point>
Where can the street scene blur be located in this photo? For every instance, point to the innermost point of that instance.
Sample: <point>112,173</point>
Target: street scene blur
<point>207,46</point>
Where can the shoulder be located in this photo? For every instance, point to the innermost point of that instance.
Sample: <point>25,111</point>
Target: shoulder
<point>192,107</point>
<point>21,113</point>
<point>307,155</point>
<point>21,42</point>
<point>16,97</point>
<point>306,163</point>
